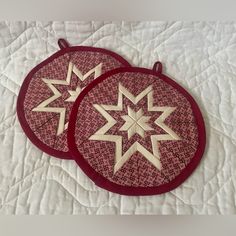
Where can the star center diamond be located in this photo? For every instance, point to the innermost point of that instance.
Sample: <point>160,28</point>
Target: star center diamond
<point>135,122</point>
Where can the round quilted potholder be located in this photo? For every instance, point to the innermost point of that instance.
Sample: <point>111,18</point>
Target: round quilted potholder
<point>50,89</point>
<point>135,131</point>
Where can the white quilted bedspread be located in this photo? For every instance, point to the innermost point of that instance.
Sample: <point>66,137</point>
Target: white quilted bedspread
<point>200,56</point>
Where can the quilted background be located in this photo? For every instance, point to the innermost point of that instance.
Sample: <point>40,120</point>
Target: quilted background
<point>200,56</point>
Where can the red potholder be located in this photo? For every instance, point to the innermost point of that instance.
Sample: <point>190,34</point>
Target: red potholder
<point>50,89</point>
<point>135,131</point>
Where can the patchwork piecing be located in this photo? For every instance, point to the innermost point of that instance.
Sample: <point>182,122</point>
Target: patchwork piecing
<point>135,131</point>
<point>50,89</point>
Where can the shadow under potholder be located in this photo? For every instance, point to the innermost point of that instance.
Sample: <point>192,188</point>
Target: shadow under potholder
<point>50,89</point>
<point>135,131</point>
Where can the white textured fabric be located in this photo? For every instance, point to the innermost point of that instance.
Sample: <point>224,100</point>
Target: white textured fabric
<point>200,56</point>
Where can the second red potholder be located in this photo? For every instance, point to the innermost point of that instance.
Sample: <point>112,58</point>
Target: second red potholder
<point>50,89</point>
<point>135,131</point>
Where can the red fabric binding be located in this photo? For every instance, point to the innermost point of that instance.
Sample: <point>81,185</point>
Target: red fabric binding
<point>157,67</point>
<point>62,43</point>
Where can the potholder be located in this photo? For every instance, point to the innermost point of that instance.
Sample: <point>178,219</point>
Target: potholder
<point>135,131</point>
<point>50,89</point>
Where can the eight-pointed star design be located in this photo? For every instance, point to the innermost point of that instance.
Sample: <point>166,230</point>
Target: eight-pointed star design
<point>138,121</point>
<point>135,122</point>
<point>43,106</point>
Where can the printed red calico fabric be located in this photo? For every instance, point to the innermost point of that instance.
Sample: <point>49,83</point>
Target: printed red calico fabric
<point>135,131</point>
<point>50,89</point>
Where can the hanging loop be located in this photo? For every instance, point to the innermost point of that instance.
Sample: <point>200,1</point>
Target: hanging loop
<point>157,67</point>
<point>62,43</point>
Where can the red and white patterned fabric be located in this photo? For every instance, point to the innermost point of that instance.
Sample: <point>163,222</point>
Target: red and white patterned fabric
<point>50,89</point>
<point>135,131</point>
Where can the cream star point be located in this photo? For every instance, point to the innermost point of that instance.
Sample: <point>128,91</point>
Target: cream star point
<point>73,94</point>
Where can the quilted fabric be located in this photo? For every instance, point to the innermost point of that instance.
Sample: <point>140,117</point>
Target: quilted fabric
<point>50,89</point>
<point>136,132</point>
<point>199,56</point>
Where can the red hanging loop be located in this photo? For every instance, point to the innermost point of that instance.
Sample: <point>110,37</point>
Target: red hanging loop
<point>157,67</point>
<point>62,43</point>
